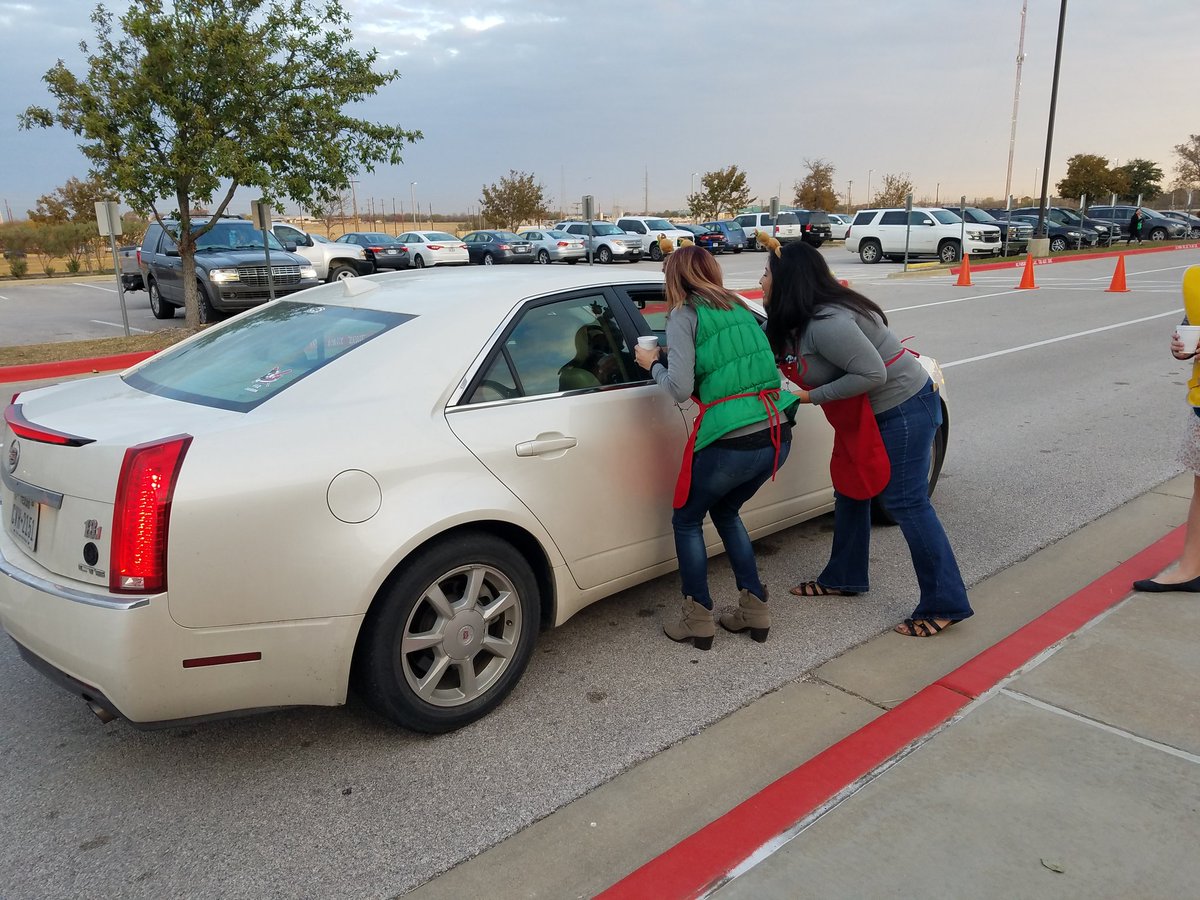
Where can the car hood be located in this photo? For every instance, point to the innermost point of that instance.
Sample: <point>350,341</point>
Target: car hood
<point>219,259</point>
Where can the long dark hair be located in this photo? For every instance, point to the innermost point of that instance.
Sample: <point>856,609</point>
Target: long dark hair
<point>801,284</point>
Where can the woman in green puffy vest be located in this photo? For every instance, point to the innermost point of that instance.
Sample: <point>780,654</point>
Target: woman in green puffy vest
<point>718,356</point>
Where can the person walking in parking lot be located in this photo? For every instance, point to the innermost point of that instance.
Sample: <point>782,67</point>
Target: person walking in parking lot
<point>836,344</point>
<point>1135,226</point>
<point>718,356</point>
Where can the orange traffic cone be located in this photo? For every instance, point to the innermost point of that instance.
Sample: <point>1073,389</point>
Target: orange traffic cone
<point>1027,279</point>
<point>1118,279</point>
<point>964,273</point>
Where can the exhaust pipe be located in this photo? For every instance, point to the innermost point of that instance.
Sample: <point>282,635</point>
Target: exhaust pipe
<point>101,713</point>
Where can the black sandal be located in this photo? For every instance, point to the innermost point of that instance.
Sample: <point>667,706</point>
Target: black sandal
<point>922,627</point>
<point>816,589</point>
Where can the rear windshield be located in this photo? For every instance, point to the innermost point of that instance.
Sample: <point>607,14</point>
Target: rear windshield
<point>261,354</point>
<point>787,218</point>
<point>506,236</point>
<point>659,225</point>
<point>438,236</point>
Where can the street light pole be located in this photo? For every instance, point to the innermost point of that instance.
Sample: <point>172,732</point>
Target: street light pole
<point>870,172</point>
<point>1062,21</point>
<point>354,200</point>
<point>849,195</point>
<point>412,195</point>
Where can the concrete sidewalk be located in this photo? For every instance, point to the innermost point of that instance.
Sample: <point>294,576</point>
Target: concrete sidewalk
<point>926,767</point>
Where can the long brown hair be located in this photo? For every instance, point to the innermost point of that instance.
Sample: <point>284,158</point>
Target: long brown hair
<point>692,272</point>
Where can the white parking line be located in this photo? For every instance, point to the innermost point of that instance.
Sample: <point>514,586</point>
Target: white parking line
<point>94,287</point>
<point>1065,337</point>
<point>955,300</point>
<point>119,325</point>
<point>2,297</point>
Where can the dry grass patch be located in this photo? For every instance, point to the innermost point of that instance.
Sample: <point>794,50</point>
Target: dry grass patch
<point>29,354</point>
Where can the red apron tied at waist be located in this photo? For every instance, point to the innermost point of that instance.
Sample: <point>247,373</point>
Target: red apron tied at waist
<point>683,485</point>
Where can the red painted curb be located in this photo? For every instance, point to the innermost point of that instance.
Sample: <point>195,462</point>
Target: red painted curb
<point>37,371</point>
<point>980,674</point>
<point>700,861</point>
<point>1019,263</point>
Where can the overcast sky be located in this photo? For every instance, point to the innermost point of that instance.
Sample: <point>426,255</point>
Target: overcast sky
<point>605,97</point>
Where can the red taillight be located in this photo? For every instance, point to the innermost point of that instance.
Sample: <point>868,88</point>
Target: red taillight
<point>375,249</point>
<point>848,227</point>
<point>403,248</point>
<point>141,513</point>
<point>139,257</point>
<point>435,246</point>
<point>23,428</point>
<point>808,226</point>
<point>502,246</point>
<point>563,244</point>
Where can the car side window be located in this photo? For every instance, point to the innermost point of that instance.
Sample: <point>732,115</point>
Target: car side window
<point>567,345</point>
<point>894,217</point>
<point>864,218</point>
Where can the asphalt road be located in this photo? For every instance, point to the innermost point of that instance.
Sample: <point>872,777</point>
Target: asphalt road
<point>1065,403</point>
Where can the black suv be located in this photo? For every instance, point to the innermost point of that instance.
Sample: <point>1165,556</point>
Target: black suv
<point>1063,215</point>
<point>231,267</point>
<point>815,225</point>
<point>1014,236</point>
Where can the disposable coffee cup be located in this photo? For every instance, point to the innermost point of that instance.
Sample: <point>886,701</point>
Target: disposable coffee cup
<point>649,341</point>
<point>1190,335</point>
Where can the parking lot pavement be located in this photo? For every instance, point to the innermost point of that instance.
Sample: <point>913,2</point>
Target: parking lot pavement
<point>1078,776</point>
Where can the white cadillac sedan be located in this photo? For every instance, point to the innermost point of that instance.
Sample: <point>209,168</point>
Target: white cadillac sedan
<point>388,483</point>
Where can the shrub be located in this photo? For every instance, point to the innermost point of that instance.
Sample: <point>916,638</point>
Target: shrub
<point>18,266</point>
<point>49,270</point>
<point>73,265</point>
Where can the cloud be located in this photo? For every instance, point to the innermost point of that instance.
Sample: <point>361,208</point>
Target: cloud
<point>474,23</point>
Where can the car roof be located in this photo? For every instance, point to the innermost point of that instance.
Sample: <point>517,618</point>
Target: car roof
<point>431,293</point>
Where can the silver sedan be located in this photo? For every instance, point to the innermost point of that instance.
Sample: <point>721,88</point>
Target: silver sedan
<point>555,246</point>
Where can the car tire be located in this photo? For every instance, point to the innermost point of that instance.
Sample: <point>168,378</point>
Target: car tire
<point>418,261</point>
<point>543,258</point>
<point>1058,244</point>
<point>870,251</point>
<point>341,273</point>
<point>604,255</point>
<point>656,253</point>
<point>737,249</point>
<point>446,640</point>
<point>949,251</point>
<point>881,516</point>
<point>488,259</point>
<point>1158,234</point>
<point>160,307</point>
<point>208,312</point>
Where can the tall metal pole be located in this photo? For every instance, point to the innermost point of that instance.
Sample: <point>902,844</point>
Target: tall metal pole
<point>870,172</point>
<point>1012,136</point>
<point>412,194</point>
<point>1062,22</point>
<point>849,195</point>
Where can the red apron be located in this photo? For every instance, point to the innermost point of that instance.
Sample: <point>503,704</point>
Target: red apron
<point>683,484</point>
<point>859,466</point>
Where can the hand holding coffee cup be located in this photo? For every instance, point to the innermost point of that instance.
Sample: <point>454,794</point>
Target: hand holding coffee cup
<point>647,351</point>
<point>1189,339</point>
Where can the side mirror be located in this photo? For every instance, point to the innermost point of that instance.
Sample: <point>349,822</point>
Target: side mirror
<point>173,251</point>
<point>291,248</point>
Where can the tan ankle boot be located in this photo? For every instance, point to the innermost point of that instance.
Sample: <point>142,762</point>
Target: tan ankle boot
<point>751,613</point>
<point>695,624</point>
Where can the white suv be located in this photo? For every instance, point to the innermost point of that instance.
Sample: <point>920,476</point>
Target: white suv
<point>648,228</point>
<point>879,234</point>
<point>605,240</point>
<point>788,228</point>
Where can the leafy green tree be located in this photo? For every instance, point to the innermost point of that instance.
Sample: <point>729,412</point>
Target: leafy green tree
<point>75,201</point>
<point>1188,166</point>
<point>1141,177</point>
<point>188,103</point>
<point>816,190</point>
<point>1090,174</point>
<point>894,190</point>
<point>721,191</point>
<point>515,200</point>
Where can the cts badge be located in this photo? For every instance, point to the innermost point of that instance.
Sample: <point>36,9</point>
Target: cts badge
<point>14,455</point>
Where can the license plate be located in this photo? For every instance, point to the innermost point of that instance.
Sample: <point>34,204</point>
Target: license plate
<point>23,521</point>
<point>523,249</point>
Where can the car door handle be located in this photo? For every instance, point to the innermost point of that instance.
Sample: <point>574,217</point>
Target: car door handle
<point>542,445</point>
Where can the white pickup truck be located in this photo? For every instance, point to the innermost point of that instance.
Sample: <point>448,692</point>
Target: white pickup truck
<point>333,261</point>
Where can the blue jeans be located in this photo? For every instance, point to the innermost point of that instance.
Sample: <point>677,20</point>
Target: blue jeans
<point>722,480</point>
<point>907,432</point>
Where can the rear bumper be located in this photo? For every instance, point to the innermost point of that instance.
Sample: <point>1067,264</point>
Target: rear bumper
<point>127,654</point>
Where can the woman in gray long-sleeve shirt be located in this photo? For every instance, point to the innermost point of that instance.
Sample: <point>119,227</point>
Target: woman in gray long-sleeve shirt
<point>841,347</point>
